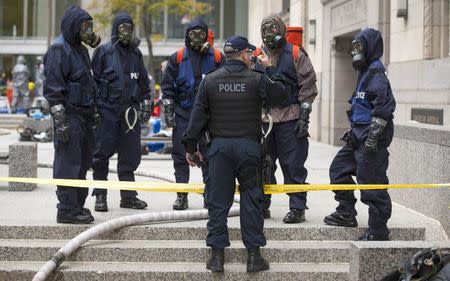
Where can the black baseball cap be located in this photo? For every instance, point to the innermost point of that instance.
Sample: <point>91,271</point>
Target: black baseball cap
<point>236,44</point>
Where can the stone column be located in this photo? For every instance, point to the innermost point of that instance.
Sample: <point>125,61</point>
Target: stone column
<point>22,163</point>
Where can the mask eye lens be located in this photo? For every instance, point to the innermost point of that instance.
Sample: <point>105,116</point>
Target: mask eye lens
<point>357,46</point>
<point>86,25</point>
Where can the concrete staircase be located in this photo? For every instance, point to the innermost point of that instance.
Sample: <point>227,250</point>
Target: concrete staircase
<point>169,252</point>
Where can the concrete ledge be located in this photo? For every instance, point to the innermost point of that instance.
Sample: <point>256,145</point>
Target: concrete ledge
<point>22,163</point>
<point>420,153</point>
<point>370,261</point>
<point>433,134</point>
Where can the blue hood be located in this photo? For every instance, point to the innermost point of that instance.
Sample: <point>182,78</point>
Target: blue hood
<point>71,23</point>
<point>122,17</point>
<point>195,23</point>
<point>373,43</point>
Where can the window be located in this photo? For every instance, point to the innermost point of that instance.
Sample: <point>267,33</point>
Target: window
<point>38,18</point>
<point>11,18</point>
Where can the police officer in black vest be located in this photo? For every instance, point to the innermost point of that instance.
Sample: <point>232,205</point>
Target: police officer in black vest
<point>365,155</point>
<point>70,91</point>
<point>228,104</point>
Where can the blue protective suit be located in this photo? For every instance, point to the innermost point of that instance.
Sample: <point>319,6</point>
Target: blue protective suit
<point>123,83</point>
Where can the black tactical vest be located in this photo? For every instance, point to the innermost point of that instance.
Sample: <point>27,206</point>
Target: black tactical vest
<point>234,103</point>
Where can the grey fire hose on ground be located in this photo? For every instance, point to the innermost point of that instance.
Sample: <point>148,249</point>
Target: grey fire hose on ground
<point>114,224</point>
<point>111,225</point>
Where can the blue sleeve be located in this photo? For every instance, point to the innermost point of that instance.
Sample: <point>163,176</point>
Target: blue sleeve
<point>198,120</point>
<point>56,70</point>
<point>383,100</point>
<point>170,74</point>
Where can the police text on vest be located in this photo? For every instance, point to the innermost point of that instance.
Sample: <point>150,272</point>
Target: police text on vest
<point>232,88</point>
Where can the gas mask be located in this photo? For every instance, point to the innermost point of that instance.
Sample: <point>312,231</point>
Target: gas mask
<point>270,33</point>
<point>197,40</point>
<point>125,33</point>
<point>359,60</point>
<point>87,34</point>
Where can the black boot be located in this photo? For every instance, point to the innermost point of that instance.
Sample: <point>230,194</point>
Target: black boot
<point>294,216</point>
<point>87,212</point>
<point>80,218</point>
<point>100,203</point>
<point>133,203</point>
<point>215,262</point>
<point>181,203</point>
<point>373,237</point>
<point>255,262</point>
<point>337,219</point>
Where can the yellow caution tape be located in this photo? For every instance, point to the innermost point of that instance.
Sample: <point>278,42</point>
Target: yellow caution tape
<point>199,188</point>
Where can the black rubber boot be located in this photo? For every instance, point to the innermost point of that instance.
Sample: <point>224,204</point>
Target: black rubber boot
<point>181,203</point>
<point>80,218</point>
<point>87,212</point>
<point>215,262</point>
<point>100,203</point>
<point>337,219</point>
<point>294,216</point>
<point>372,237</point>
<point>255,262</point>
<point>133,203</point>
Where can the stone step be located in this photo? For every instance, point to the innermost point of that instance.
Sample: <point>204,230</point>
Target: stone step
<point>173,251</point>
<point>122,271</point>
<point>160,232</point>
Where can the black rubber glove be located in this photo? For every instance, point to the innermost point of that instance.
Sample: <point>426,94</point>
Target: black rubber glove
<point>146,111</point>
<point>301,128</point>
<point>375,130</point>
<point>60,122</point>
<point>169,112</point>
<point>96,120</point>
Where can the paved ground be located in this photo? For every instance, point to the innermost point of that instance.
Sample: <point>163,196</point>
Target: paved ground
<point>39,206</point>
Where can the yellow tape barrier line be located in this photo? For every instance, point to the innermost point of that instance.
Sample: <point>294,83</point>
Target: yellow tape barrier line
<point>198,188</point>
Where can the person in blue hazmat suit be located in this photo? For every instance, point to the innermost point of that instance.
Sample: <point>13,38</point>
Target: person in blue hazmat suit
<point>124,103</point>
<point>288,140</point>
<point>181,78</point>
<point>229,105</point>
<point>365,153</point>
<point>70,90</point>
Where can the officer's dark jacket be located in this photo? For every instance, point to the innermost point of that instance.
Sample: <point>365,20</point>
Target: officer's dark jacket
<point>373,94</point>
<point>67,67</point>
<point>229,103</point>
<point>197,60</point>
<point>119,70</point>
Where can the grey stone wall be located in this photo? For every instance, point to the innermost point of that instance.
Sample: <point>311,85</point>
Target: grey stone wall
<point>22,164</point>
<point>420,153</point>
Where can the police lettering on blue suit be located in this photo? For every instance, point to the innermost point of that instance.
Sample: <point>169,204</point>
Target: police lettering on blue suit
<point>229,105</point>
<point>288,139</point>
<point>124,98</point>
<point>365,154</point>
<point>181,79</point>
<point>70,91</point>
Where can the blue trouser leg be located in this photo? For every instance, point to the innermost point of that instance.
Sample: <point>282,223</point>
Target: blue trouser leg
<point>180,164</point>
<point>291,152</point>
<point>342,168</point>
<point>129,155</point>
<point>72,160</point>
<point>230,158</point>
<point>369,168</point>
<point>106,139</point>
<point>219,195</point>
<point>372,169</point>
